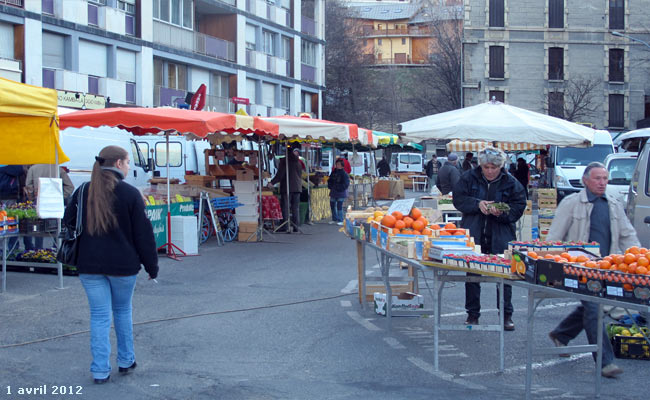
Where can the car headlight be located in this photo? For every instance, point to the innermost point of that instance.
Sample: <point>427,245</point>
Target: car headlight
<point>561,181</point>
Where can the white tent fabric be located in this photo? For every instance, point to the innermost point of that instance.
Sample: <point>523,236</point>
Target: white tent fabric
<point>497,122</point>
<point>306,128</point>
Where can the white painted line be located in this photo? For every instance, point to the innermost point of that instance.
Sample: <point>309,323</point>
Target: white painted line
<point>346,303</point>
<point>376,266</point>
<point>461,355</point>
<point>350,287</point>
<point>363,322</point>
<point>425,366</point>
<point>493,310</point>
<point>416,333</point>
<point>394,343</point>
<point>538,365</point>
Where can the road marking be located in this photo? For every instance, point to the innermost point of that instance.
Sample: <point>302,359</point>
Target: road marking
<point>346,303</point>
<point>350,287</point>
<point>363,322</point>
<point>491,310</point>
<point>461,355</point>
<point>538,365</point>
<point>425,366</point>
<point>394,343</point>
<point>425,333</point>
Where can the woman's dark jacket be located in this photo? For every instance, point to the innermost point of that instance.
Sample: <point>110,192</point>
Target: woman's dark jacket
<point>338,184</point>
<point>121,250</point>
<point>493,233</point>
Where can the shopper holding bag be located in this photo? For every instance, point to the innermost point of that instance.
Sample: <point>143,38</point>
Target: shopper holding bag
<point>116,239</point>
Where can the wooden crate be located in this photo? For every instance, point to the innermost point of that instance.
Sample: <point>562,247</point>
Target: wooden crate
<point>200,180</point>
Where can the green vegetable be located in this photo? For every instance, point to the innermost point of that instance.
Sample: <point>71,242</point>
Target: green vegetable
<point>504,207</point>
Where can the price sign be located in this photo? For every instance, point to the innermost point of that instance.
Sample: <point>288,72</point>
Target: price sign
<point>404,206</point>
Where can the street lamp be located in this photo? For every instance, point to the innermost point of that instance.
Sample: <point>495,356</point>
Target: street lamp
<point>631,38</point>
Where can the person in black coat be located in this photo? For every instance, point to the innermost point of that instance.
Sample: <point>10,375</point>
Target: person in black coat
<point>116,239</point>
<point>383,168</point>
<point>295,187</point>
<point>521,173</point>
<point>338,184</point>
<point>473,195</point>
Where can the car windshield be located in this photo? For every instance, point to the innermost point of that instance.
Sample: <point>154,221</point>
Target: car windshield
<point>582,156</point>
<point>621,170</point>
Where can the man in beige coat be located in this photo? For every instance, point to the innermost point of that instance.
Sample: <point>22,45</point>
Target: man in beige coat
<point>591,215</point>
<point>46,171</point>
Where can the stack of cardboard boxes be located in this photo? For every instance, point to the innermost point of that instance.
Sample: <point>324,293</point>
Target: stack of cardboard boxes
<point>246,190</point>
<point>546,203</point>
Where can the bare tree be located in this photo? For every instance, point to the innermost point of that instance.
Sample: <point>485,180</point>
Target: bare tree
<point>575,100</point>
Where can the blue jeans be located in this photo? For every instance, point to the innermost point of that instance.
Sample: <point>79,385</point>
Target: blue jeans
<point>584,317</point>
<point>106,293</point>
<point>337,209</point>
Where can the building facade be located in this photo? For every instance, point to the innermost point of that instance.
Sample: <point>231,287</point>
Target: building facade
<point>151,53</point>
<point>540,54</point>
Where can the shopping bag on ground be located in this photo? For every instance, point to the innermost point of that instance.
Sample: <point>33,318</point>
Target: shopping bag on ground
<point>49,202</point>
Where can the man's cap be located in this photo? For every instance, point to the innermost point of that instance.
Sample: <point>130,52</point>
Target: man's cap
<point>452,157</point>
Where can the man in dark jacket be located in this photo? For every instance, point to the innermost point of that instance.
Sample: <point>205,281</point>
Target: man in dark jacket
<point>467,162</point>
<point>295,186</point>
<point>448,175</point>
<point>431,170</point>
<point>338,184</point>
<point>383,168</point>
<point>492,228</point>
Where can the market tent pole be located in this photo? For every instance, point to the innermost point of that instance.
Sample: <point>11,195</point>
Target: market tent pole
<point>354,186</point>
<point>169,245</point>
<point>308,183</point>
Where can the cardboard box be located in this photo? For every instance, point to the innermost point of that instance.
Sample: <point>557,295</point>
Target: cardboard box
<point>529,208</point>
<point>246,236</point>
<point>402,301</point>
<point>245,175</point>
<point>248,226</point>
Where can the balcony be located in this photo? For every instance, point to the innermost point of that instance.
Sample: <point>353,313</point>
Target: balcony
<point>219,104</point>
<point>11,69</point>
<point>368,31</point>
<point>308,73</point>
<point>271,12</point>
<point>164,96</point>
<point>15,3</point>
<point>403,59</point>
<point>268,63</point>
<point>214,47</point>
<point>308,26</point>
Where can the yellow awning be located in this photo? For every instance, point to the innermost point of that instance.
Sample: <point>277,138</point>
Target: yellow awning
<point>29,125</point>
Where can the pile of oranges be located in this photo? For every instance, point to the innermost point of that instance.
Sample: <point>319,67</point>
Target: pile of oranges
<point>635,260</point>
<point>412,224</point>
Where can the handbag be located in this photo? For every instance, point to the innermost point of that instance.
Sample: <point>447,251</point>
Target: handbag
<point>69,250</point>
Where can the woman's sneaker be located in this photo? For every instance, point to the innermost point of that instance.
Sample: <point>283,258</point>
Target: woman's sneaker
<point>611,370</point>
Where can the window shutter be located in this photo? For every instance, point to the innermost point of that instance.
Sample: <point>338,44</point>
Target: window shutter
<point>556,13</point>
<point>497,12</point>
<point>268,94</point>
<point>93,58</point>
<point>125,65</point>
<point>496,62</point>
<point>7,40</point>
<point>53,50</point>
<point>616,111</point>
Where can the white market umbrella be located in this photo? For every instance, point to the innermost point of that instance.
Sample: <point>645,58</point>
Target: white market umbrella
<point>497,122</point>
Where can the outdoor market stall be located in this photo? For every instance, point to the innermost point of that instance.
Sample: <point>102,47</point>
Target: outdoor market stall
<point>28,120</point>
<point>141,121</point>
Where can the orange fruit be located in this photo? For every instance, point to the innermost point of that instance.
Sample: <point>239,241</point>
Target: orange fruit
<point>418,225</point>
<point>388,221</point>
<point>582,258</point>
<point>450,226</point>
<point>591,264</point>
<point>398,215</point>
<point>631,269</point>
<point>435,227</point>
<point>416,232</point>
<point>566,255</point>
<point>416,213</point>
<point>423,220</point>
<point>618,259</point>
<point>399,224</point>
<point>633,250</point>
<point>643,261</point>
<point>396,231</point>
<point>572,259</point>
<point>608,258</point>
<point>407,231</point>
<point>532,254</point>
<point>629,258</point>
<point>548,256</point>
<point>622,267</point>
<point>444,233</point>
<point>604,264</point>
<point>408,221</point>
<point>641,270</point>
<point>427,231</point>
<point>628,287</point>
<point>643,250</point>
<point>459,232</point>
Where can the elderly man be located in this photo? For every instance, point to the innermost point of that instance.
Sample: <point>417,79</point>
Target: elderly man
<point>474,195</point>
<point>591,215</point>
<point>448,175</point>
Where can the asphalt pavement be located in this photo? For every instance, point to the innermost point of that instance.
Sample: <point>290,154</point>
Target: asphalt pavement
<point>280,320</point>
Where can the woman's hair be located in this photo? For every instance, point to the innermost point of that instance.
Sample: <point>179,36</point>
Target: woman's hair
<point>340,161</point>
<point>492,155</point>
<point>100,215</point>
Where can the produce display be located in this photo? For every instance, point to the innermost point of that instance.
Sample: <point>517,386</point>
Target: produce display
<point>24,210</point>
<point>629,341</point>
<point>399,224</point>
<point>481,262</point>
<point>544,245</point>
<point>40,256</point>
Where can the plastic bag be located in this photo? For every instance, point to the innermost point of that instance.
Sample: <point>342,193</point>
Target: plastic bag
<point>49,203</point>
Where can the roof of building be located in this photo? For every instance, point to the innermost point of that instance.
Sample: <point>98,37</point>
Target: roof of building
<point>414,12</point>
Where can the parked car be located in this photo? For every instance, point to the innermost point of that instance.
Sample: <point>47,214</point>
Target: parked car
<point>620,167</point>
<point>638,200</point>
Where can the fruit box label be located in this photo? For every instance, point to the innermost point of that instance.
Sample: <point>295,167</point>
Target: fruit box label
<point>614,291</point>
<point>571,283</point>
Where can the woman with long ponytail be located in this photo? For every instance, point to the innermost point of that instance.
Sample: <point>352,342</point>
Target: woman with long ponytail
<point>116,239</point>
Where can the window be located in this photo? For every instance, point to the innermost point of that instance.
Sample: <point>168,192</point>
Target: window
<point>556,13</point>
<point>251,90</point>
<point>379,42</point>
<point>269,43</point>
<point>157,72</point>
<point>177,12</point>
<point>268,94</point>
<point>616,65</point>
<point>556,63</point>
<point>220,85</point>
<point>556,104</point>
<point>94,59</point>
<point>176,76</point>
<point>616,111</point>
<point>498,95</point>
<point>175,154</point>
<point>125,65</point>
<point>497,13</point>
<point>130,92</point>
<point>47,6</point>
<point>616,14</point>
<point>286,48</point>
<point>93,14</point>
<point>128,6</point>
<point>308,55</point>
<point>403,40</point>
<point>144,148</point>
<point>410,159</point>
<point>250,37</point>
<point>496,62</point>
<point>49,78</point>
<point>93,84</point>
<point>7,40</point>
<point>53,50</point>
<point>285,98</point>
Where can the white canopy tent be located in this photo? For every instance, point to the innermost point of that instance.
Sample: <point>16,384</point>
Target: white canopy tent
<point>497,122</point>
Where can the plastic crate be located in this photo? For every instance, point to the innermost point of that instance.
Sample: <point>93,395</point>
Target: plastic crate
<point>222,203</point>
<point>636,348</point>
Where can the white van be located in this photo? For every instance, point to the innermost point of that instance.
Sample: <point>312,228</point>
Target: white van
<point>569,163</point>
<point>638,199</point>
<point>81,145</point>
<point>184,155</point>
<point>406,162</point>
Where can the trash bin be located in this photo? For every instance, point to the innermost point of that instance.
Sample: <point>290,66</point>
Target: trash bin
<point>304,207</point>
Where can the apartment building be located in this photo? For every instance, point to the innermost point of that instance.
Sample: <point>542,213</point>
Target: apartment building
<point>265,55</point>
<point>400,33</point>
<point>531,54</point>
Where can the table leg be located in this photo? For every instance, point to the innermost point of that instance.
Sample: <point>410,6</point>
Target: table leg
<point>501,322</point>
<point>361,271</point>
<point>529,343</point>
<point>385,271</point>
<point>437,307</point>
<point>599,353</point>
